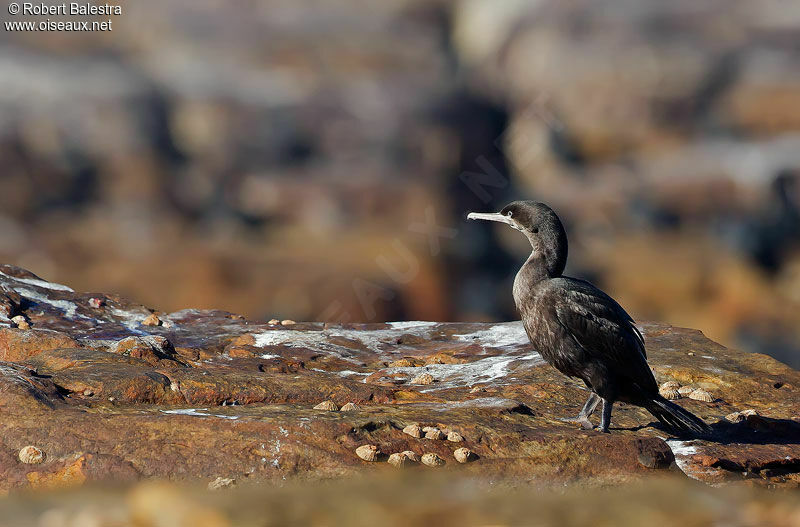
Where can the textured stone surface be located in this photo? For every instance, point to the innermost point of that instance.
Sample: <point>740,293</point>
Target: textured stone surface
<point>194,409</point>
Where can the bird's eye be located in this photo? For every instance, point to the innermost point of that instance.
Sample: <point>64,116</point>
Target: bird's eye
<point>509,214</point>
<point>535,230</point>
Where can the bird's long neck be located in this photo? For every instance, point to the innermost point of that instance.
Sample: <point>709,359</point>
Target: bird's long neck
<point>547,260</point>
<point>533,271</point>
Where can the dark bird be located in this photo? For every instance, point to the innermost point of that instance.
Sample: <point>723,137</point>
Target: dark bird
<point>579,329</point>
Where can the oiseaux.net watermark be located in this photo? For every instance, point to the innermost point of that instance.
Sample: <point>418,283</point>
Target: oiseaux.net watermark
<point>64,16</point>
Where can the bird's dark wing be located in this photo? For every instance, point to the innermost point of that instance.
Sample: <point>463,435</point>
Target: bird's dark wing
<point>599,325</point>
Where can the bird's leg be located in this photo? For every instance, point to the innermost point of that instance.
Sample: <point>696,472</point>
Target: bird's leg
<point>590,405</point>
<point>583,417</point>
<point>605,420</point>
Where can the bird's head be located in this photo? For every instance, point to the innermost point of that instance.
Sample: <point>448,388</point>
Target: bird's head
<point>540,225</point>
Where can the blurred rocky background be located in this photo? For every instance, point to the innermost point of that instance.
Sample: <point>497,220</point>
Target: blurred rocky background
<point>400,501</point>
<point>315,160</point>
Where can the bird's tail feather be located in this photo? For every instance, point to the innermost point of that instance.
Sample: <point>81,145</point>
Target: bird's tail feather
<point>677,418</point>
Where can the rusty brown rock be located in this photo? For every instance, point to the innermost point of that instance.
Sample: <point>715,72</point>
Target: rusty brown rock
<point>152,348</point>
<point>654,453</point>
<point>22,390</point>
<point>16,345</point>
<point>151,320</point>
<point>442,358</point>
<point>243,346</point>
<point>383,378</point>
<point>212,413</point>
<point>71,473</point>
<point>423,378</point>
<point>405,363</point>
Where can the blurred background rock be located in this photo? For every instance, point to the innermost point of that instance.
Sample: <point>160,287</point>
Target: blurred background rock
<point>410,499</point>
<point>315,160</point>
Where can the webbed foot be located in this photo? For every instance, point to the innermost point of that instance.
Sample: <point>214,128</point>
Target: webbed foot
<point>583,416</point>
<point>581,420</point>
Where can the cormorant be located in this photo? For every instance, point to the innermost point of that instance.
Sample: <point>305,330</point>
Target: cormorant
<point>579,329</point>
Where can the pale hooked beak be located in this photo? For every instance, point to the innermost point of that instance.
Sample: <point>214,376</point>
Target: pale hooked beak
<point>492,216</point>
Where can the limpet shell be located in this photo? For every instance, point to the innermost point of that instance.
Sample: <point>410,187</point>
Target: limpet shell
<point>464,455</point>
<point>31,455</point>
<point>274,322</point>
<point>327,405</point>
<point>401,459</point>
<point>734,417</point>
<point>423,378</point>
<point>413,430</point>
<point>701,395</point>
<point>738,417</point>
<point>432,460</point>
<point>429,428</point>
<point>20,321</point>
<point>455,437</point>
<point>368,452</point>
<point>669,393</point>
<point>221,483</point>
<point>349,407</point>
<point>434,434</point>
<point>410,454</point>
<point>685,390</point>
<point>397,460</point>
<point>288,322</point>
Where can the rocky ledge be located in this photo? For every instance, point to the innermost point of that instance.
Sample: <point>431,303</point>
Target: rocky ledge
<point>104,389</point>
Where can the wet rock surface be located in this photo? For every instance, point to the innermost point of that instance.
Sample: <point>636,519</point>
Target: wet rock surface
<point>210,393</point>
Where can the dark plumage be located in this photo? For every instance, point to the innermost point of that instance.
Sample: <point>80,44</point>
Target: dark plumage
<point>579,329</point>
